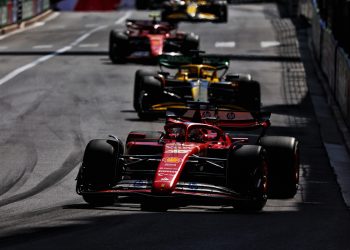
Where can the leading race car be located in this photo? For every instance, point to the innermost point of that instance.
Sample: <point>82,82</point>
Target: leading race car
<point>192,161</point>
<point>198,78</point>
<point>149,39</point>
<point>195,10</point>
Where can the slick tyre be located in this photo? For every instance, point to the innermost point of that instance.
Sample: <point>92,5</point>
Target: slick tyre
<point>249,93</point>
<point>247,175</point>
<point>118,42</point>
<point>100,169</point>
<point>191,42</point>
<point>139,75</point>
<point>223,14</point>
<point>150,91</point>
<point>283,165</point>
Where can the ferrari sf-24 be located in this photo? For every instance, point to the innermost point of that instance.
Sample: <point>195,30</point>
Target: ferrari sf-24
<point>147,39</point>
<point>193,161</point>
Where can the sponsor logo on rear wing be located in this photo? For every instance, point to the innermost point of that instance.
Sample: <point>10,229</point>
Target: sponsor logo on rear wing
<point>220,117</point>
<point>148,24</point>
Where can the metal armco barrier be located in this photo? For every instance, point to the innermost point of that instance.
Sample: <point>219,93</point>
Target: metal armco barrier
<point>316,34</point>
<point>334,61</point>
<point>343,81</point>
<point>329,57</point>
<point>16,11</point>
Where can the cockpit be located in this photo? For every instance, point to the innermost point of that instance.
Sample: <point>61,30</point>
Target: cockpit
<point>198,133</point>
<point>197,72</point>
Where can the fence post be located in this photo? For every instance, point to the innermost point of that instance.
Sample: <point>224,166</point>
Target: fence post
<point>19,11</point>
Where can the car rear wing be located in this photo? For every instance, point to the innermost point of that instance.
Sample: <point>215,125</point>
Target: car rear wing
<point>176,60</point>
<point>223,118</point>
<point>148,24</point>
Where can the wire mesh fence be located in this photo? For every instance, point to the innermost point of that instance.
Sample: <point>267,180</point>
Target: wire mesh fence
<point>336,15</point>
<point>15,11</point>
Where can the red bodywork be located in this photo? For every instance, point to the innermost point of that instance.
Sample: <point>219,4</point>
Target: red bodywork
<point>155,32</point>
<point>161,166</point>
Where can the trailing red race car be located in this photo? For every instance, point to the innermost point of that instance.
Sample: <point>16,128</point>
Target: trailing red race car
<point>193,161</point>
<point>149,39</point>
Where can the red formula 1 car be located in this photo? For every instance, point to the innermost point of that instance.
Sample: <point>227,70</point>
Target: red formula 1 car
<point>149,39</point>
<point>193,161</point>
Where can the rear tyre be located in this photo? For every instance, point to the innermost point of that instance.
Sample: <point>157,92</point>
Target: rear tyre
<point>249,97</point>
<point>283,165</point>
<point>150,90</point>
<point>247,175</point>
<point>191,42</point>
<point>118,42</point>
<point>100,170</point>
<point>221,12</point>
<point>224,15</point>
<point>139,75</point>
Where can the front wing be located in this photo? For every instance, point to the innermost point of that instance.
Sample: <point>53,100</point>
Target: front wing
<point>191,192</point>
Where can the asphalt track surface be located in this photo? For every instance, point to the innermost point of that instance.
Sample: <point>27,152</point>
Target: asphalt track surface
<point>58,90</point>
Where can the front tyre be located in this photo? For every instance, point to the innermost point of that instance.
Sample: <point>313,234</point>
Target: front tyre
<point>247,175</point>
<point>100,170</point>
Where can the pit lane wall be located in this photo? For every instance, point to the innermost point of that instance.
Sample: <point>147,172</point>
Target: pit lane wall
<point>16,11</point>
<point>334,61</point>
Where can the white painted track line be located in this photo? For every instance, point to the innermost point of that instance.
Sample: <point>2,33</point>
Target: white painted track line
<point>43,46</point>
<point>229,44</point>
<point>269,44</point>
<point>122,19</point>
<point>28,66</point>
<point>91,45</point>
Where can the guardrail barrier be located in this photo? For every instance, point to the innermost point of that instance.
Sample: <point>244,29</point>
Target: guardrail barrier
<point>334,61</point>
<point>16,11</point>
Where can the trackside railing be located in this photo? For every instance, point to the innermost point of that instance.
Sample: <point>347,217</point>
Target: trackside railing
<point>16,11</point>
<point>334,61</point>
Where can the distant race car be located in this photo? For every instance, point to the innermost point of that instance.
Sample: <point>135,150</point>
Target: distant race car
<point>192,162</point>
<point>198,78</point>
<point>148,4</point>
<point>149,39</point>
<point>195,10</point>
